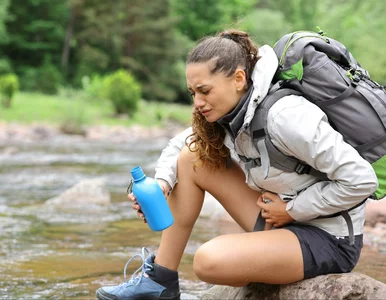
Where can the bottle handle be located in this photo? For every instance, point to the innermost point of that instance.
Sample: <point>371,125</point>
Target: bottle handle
<point>130,187</point>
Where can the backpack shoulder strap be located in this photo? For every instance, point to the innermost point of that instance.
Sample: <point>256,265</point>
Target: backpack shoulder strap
<point>269,154</point>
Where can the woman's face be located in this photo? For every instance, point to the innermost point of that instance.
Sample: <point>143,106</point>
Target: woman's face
<point>214,95</point>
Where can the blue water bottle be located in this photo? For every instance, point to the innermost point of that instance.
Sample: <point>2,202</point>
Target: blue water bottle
<point>152,200</point>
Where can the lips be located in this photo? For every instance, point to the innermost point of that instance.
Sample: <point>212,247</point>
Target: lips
<point>205,112</point>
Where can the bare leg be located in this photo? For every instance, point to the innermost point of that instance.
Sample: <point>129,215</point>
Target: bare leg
<point>272,256</point>
<point>227,186</point>
<point>236,259</point>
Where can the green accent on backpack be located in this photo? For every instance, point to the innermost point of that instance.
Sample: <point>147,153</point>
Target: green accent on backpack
<point>296,71</point>
<point>379,167</point>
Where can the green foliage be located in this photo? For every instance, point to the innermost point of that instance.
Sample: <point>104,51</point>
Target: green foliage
<point>199,18</point>
<point>255,24</point>
<point>136,35</point>
<point>3,18</point>
<point>74,118</point>
<point>91,61</point>
<point>49,77</point>
<point>51,43</point>
<point>35,28</point>
<point>5,66</point>
<point>123,90</point>
<point>301,14</point>
<point>56,109</point>
<point>154,48</point>
<point>361,29</point>
<point>29,77</point>
<point>9,85</point>
<point>46,78</point>
<point>93,87</point>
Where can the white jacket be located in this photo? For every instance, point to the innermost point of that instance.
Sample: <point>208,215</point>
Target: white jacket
<point>297,128</point>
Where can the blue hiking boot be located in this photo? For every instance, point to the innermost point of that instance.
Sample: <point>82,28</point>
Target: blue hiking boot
<point>153,282</point>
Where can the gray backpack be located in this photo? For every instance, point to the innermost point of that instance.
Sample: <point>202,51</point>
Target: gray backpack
<point>323,71</point>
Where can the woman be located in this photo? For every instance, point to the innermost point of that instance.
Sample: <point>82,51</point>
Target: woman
<point>228,76</point>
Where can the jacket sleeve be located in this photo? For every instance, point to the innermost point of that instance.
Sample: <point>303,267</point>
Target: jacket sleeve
<point>166,167</point>
<point>302,130</point>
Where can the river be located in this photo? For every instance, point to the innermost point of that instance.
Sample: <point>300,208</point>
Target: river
<point>64,254</point>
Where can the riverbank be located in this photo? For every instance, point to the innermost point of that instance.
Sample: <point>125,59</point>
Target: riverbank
<point>35,132</point>
<point>50,251</point>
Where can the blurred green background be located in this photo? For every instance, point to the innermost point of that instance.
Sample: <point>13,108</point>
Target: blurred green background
<point>82,62</point>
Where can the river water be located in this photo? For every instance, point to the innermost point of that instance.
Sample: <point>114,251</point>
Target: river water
<point>47,253</point>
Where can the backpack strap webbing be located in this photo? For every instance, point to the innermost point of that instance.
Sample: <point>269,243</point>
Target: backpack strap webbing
<point>269,154</point>
<point>348,220</point>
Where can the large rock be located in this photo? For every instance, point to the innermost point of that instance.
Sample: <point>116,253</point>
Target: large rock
<point>351,286</point>
<point>376,212</point>
<point>90,192</point>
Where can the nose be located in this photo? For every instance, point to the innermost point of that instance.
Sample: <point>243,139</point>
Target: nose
<point>199,102</point>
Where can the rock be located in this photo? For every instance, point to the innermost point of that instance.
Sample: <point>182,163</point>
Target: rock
<point>91,192</point>
<point>375,212</point>
<point>350,286</point>
<point>8,151</point>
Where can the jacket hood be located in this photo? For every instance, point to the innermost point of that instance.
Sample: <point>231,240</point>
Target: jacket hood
<point>262,76</point>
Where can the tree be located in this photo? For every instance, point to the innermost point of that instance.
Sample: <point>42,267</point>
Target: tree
<point>136,35</point>
<point>198,18</point>
<point>301,14</point>
<point>359,25</point>
<point>3,18</point>
<point>361,29</point>
<point>35,29</point>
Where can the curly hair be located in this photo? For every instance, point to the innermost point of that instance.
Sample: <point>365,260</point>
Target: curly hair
<point>228,51</point>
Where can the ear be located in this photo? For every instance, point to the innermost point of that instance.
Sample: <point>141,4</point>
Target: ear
<point>240,79</point>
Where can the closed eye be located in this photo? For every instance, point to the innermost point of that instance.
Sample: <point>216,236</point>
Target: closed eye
<point>192,94</point>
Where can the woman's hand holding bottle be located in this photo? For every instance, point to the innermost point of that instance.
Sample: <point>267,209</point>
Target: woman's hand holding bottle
<point>165,187</point>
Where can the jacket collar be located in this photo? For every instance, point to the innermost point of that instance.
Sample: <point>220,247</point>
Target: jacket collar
<point>262,76</point>
<point>234,120</point>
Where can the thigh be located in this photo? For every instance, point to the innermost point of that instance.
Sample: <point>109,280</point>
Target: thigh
<point>227,185</point>
<point>273,257</point>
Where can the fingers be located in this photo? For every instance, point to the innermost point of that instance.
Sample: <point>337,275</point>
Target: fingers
<point>165,191</point>
<point>260,203</point>
<point>131,197</point>
<point>140,214</point>
<point>267,226</point>
<point>136,206</point>
<point>269,195</point>
<point>165,187</point>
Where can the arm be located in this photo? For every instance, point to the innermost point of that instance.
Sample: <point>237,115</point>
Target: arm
<point>166,167</point>
<point>302,130</point>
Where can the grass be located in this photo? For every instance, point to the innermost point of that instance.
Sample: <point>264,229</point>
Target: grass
<point>72,107</point>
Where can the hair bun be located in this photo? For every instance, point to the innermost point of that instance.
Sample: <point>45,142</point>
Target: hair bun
<point>230,36</point>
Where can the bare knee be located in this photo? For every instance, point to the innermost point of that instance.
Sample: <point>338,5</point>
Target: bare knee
<point>207,263</point>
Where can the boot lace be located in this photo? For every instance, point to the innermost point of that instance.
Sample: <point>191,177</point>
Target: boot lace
<point>137,276</point>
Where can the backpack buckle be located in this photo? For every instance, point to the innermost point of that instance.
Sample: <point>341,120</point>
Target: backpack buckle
<point>354,75</point>
<point>252,163</point>
<point>302,169</point>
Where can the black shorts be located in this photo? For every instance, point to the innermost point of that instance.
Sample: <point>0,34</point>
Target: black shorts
<point>323,253</point>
